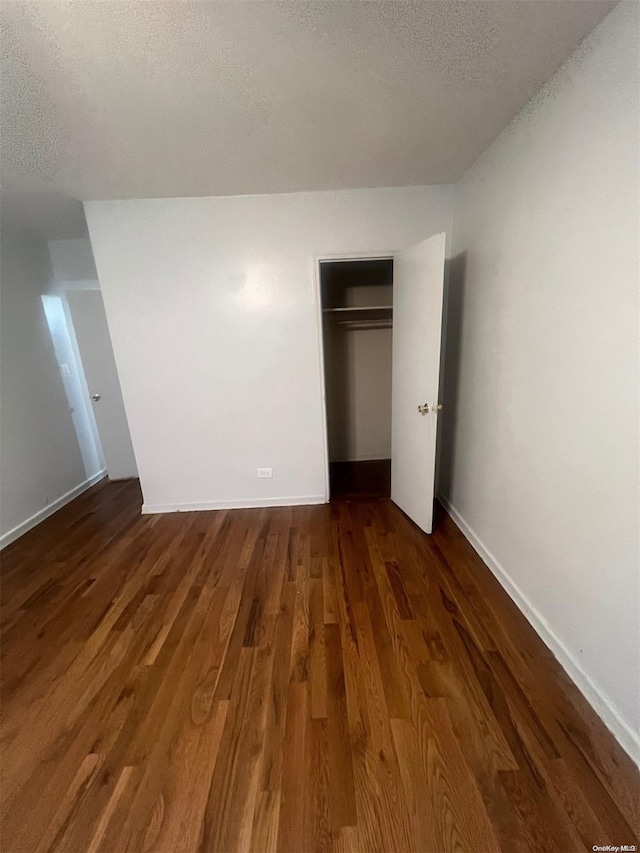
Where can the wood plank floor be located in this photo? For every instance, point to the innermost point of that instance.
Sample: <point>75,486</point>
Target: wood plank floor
<point>307,679</point>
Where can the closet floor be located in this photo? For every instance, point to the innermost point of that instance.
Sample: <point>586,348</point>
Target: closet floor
<point>370,480</point>
<point>320,678</point>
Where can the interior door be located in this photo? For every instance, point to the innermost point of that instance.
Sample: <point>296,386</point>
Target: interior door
<point>98,362</point>
<point>418,280</point>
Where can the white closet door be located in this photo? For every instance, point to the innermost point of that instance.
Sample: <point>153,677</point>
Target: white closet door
<point>418,280</point>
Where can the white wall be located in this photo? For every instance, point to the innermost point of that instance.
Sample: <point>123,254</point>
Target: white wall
<point>72,260</point>
<point>540,450</point>
<point>212,311</point>
<point>47,451</point>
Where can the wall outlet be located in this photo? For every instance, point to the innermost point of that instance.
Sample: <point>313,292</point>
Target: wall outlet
<point>264,473</point>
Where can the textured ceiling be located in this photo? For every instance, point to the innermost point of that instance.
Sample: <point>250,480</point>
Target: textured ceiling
<point>142,98</point>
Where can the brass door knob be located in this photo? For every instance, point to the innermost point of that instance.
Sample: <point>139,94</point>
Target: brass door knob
<point>424,409</point>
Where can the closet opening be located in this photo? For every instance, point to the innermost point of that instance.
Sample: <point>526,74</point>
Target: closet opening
<point>357,312</point>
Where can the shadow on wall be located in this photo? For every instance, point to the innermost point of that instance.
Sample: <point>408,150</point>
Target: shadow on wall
<point>454,296</point>
<point>337,380</point>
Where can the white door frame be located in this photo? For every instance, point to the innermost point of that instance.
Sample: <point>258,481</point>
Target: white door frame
<point>317,295</point>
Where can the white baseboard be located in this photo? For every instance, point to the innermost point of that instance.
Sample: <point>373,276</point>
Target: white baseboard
<point>20,529</point>
<point>252,503</point>
<point>593,693</point>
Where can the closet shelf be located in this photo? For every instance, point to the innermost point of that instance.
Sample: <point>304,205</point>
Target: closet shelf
<point>365,324</point>
<point>359,314</point>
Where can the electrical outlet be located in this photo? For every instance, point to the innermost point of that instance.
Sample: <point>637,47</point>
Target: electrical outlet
<point>264,473</point>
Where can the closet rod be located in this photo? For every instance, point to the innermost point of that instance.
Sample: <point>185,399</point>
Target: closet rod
<point>365,324</point>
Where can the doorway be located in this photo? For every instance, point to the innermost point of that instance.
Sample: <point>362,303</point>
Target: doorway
<point>89,321</point>
<point>381,321</point>
<point>357,320</point>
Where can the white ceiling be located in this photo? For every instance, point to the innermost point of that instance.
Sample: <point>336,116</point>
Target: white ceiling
<point>154,99</point>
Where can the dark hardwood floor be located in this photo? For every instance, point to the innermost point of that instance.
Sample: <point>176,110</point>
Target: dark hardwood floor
<point>307,679</point>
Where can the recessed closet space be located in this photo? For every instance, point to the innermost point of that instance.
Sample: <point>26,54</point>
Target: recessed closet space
<point>357,300</point>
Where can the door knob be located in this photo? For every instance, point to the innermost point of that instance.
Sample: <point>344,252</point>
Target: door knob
<point>95,397</point>
<point>425,408</point>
